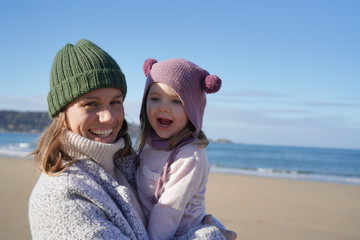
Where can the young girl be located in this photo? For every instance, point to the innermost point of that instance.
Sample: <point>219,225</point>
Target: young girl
<point>173,170</point>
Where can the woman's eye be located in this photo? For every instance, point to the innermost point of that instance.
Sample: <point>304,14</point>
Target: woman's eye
<point>116,102</point>
<point>91,104</point>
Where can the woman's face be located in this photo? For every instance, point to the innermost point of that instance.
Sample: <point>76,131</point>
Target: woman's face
<point>97,115</point>
<point>165,111</point>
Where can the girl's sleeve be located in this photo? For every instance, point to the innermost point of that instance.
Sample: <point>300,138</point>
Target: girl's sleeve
<point>187,176</point>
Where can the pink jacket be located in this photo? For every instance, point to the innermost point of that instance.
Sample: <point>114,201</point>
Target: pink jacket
<point>181,205</point>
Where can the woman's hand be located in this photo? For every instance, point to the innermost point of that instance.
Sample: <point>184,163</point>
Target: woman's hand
<point>228,234</point>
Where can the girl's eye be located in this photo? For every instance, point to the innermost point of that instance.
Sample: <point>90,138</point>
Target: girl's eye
<point>176,101</point>
<point>154,99</point>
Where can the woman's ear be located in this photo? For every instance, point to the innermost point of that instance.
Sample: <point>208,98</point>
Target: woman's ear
<point>65,119</point>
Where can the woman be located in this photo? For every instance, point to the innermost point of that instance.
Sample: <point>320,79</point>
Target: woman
<point>85,155</point>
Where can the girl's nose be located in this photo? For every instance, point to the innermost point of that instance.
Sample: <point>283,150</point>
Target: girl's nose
<point>163,107</point>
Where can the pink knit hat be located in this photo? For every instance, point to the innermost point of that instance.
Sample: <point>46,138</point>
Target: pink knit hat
<point>189,81</point>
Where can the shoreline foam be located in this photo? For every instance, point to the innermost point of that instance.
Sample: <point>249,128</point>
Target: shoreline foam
<point>289,175</point>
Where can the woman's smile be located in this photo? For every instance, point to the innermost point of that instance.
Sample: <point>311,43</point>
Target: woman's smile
<point>101,133</point>
<point>97,115</point>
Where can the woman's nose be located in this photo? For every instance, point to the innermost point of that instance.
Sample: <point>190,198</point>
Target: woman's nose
<point>106,115</point>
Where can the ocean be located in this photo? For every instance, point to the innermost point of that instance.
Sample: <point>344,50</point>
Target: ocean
<point>297,163</point>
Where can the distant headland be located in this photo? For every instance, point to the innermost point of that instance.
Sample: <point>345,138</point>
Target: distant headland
<point>221,140</point>
<point>31,122</point>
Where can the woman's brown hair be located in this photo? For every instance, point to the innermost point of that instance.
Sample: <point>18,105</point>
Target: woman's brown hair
<point>48,156</point>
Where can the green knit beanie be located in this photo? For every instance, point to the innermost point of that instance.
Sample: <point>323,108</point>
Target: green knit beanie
<point>80,69</point>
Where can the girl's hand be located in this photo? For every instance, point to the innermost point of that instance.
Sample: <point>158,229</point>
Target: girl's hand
<point>228,234</point>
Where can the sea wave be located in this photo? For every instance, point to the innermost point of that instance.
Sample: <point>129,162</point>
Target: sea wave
<point>21,150</point>
<point>286,174</point>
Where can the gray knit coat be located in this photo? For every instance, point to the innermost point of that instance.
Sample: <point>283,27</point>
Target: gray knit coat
<point>84,202</point>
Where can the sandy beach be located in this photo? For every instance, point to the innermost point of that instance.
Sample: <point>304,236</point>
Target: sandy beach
<point>254,207</point>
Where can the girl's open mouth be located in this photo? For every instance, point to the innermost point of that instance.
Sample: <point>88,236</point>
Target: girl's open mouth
<point>165,122</point>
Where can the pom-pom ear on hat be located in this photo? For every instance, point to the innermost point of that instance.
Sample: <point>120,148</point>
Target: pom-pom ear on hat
<point>148,65</point>
<point>190,82</point>
<point>211,84</point>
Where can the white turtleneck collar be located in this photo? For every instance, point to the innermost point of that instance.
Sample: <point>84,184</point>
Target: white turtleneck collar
<point>79,147</point>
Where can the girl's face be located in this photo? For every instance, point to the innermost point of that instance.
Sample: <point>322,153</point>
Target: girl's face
<point>165,111</point>
<point>97,115</point>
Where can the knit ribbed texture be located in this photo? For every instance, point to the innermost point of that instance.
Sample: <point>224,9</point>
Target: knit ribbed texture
<point>189,81</point>
<point>79,69</point>
<point>85,201</point>
<point>79,147</point>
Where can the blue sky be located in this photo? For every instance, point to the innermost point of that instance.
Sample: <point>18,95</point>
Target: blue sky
<point>290,69</point>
